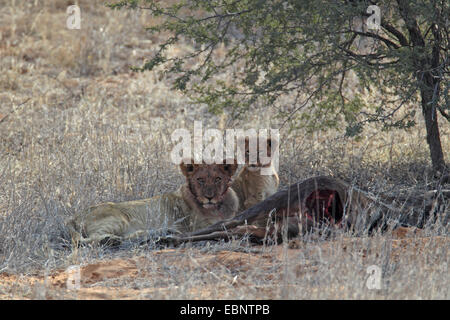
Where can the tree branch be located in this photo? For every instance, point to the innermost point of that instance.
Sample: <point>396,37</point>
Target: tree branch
<point>388,42</point>
<point>400,37</point>
<point>442,112</point>
<point>411,23</point>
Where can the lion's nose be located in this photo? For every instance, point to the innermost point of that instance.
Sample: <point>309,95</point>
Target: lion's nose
<point>209,197</point>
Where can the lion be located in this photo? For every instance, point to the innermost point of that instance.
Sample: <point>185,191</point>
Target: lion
<point>250,185</point>
<point>205,198</point>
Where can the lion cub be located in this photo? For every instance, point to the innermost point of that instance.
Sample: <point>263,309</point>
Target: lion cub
<point>204,199</point>
<point>250,185</point>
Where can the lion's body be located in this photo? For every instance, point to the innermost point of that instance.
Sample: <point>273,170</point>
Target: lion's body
<point>252,187</point>
<point>183,210</point>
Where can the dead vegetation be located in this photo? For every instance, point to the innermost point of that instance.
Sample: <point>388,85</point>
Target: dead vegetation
<point>78,128</point>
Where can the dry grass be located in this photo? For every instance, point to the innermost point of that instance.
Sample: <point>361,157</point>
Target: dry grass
<point>77,128</point>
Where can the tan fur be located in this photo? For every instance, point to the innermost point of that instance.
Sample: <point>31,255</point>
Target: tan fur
<point>205,199</point>
<point>250,185</point>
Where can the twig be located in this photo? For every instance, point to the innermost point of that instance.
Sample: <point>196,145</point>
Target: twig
<point>18,106</point>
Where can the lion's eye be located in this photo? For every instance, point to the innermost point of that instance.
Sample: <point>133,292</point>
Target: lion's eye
<point>200,180</point>
<point>218,179</point>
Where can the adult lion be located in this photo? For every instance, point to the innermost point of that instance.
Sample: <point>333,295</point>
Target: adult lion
<point>205,198</point>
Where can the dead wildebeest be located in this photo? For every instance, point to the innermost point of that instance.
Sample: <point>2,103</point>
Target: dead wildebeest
<point>318,203</point>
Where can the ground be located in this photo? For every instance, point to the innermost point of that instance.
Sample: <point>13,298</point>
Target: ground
<point>77,127</point>
<point>260,272</point>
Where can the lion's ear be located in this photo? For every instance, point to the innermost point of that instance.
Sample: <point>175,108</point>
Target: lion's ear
<point>187,167</point>
<point>230,166</point>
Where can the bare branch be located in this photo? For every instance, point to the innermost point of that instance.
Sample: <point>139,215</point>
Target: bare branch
<point>388,42</point>
<point>401,38</point>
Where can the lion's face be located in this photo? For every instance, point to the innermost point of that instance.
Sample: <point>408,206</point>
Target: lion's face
<point>262,156</point>
<point>208,183</point>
